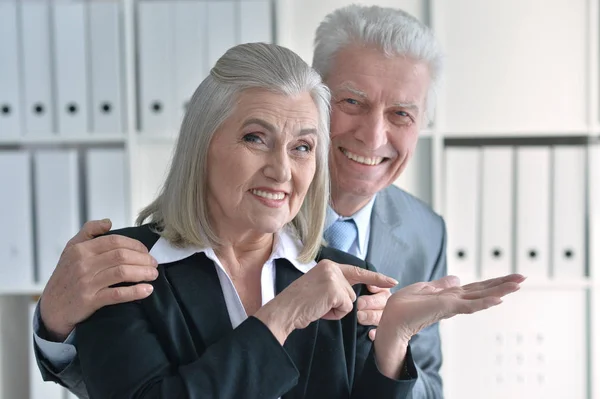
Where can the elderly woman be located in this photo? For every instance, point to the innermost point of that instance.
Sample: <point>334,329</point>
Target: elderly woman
<point>247,303</point>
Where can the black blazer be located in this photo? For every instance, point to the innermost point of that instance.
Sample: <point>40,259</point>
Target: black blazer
<point>179,343</point>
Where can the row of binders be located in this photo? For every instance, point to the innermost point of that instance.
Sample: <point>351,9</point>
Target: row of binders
<point>46,197</point>
<point>179,42</point>
<point>517,209</point>
<point>63,69</point>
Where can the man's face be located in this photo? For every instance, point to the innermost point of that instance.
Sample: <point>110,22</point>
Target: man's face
<point>378,106</point>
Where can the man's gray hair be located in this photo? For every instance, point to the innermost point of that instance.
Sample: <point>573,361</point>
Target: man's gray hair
<point>180,211</point>
<point>393,31</point>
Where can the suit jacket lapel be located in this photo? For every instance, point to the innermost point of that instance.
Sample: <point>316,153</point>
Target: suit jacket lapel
<point>300,343</point>
<point>196,284</point>
<point>385,241</point>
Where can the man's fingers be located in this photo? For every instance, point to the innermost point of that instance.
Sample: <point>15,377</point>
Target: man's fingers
<point>369,317</point>
<point>372,334</point>
<point>113,242</point>
<point>115,295</point>
<point>91,229</point>
<point>373,302</point>
<point>375,290</point>
<point>356,275</point>
<point>124,274</point>
<point>119,257</point>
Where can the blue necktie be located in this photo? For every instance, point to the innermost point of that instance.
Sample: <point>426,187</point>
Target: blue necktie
<point>341,234</point>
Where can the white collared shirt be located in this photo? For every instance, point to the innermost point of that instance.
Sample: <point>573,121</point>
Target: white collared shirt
<point>285,245</point>
<point>362,218</point>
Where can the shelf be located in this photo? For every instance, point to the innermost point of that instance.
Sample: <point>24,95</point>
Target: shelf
<point>58,140</point>
<point>154,138</point>
<point>34,290</point>
<point>515,133</point>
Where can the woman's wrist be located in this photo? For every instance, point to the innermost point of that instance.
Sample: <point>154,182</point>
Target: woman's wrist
<point>276,320</point>
<point>390,350</point>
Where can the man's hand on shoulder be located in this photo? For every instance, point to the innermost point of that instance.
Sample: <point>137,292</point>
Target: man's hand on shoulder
<point>88,268</point>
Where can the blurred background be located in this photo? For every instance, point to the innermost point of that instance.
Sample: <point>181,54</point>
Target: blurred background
<point>92,94</point>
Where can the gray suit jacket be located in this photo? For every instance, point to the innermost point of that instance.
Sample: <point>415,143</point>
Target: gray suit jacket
<point>408,242</point>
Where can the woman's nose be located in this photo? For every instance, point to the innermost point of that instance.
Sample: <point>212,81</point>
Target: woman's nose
<point>278,167</point>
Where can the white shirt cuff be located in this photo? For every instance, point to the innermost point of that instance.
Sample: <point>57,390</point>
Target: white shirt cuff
<point>59,354</point>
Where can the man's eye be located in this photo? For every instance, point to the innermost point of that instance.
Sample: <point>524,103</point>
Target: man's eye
<point>402,113</point>
<point>351,101</point>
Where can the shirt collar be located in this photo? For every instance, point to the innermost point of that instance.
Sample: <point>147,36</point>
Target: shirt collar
<point>286,245</point>
<point>362,219</point>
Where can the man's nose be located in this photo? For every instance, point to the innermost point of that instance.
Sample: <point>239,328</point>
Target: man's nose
<point>372,131</point>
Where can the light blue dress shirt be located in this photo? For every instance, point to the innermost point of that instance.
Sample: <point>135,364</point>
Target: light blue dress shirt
<point>362,219</point>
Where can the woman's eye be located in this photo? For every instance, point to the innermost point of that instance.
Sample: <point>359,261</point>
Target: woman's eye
<point>252,138</point>
<point>304,148</point>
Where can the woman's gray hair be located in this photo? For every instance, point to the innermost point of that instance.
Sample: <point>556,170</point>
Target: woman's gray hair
<point>393,31</point>
<point>180,212</point>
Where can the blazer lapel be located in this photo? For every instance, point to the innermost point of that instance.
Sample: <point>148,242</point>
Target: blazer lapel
<point>385,241</point>
<point>300,343</point>
<point>197,287</point>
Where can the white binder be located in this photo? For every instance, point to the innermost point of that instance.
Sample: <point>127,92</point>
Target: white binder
<point>221,29</point>
<point>150,172</point>
<point>497,211</point>
<point>106,186</point>
<point>38,388</point>
<point>70,66</point>
<point>155,41</point>
<point>255,21</point>
<point>57,206</point>
<point>462,187</point>
<point>533,212</point>
<point>16,235</point>
<point>568,212</point>
<point>190,52</point>
<point>10,98</point>
<point>37,92</point>
<point>106,66</point>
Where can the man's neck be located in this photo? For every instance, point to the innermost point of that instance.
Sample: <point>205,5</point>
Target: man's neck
<point>348,204</point>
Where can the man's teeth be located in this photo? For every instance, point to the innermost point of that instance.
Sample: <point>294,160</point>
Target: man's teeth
<point>272,196</point>
<point>363,160</point>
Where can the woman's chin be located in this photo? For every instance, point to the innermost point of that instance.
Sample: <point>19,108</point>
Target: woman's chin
<point>269,227</point>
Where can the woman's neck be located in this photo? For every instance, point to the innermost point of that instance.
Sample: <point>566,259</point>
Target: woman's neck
<point>245,254</point>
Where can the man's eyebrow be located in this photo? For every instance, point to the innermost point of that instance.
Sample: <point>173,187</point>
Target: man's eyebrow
<point>347,86</point>
<point>271,128</point>
<point>410,106</point>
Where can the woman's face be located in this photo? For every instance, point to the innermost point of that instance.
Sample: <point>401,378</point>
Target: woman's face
<point>261,162</point>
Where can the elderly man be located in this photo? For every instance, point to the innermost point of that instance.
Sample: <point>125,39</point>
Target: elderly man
<point>382,66</point>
